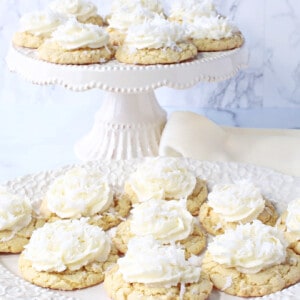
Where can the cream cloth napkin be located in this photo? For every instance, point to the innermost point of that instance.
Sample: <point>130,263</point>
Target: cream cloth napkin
<point>192,135</point>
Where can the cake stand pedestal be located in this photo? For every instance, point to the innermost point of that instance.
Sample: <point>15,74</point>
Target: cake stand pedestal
<point>130,121</point>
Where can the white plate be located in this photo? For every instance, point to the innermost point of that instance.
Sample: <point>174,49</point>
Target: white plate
<point>277,187</point>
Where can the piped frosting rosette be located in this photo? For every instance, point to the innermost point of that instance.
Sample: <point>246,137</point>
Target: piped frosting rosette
<point>15,213</point>
<point>188,10</point>
<point>67,244</point>
<point>79,193</point>
<point>83,11</point>
<point>162,178</point>
<point>249,248</point>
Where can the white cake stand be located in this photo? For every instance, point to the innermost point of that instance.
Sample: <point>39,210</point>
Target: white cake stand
<point>130,122</point>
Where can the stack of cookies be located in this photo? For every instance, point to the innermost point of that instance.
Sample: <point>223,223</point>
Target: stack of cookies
<point>134,32</point>
<point>165,235</point>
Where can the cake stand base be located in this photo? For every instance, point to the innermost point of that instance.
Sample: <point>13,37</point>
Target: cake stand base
<point>126,126</point>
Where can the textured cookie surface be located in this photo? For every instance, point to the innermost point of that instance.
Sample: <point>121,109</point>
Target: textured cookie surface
<point>265,282</point>
<point>184,52</point>
<point>20,239</point>
<point>193,244</point>
<point>214,225</point>
<point>88,275</point>
<point>194,201</point>
<point>206,44</point>
<point>118,289</point>
<point>27,40</point>
<point>52,52</point>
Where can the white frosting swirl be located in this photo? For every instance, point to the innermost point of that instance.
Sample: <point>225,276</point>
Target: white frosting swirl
<point>293,218</point>
<point>15,211</point>
<point>213,27</point>
<point>79,192</point>
<point>188,10</point>
<point>149,262</point>
<point>125,17</point>
<point>152,5</point>
<point>249,248</point>
<point>80,9</point>
<point>162,178</point>
<point>39,23</point>
<point>236,202</point>
<point>67,244</point>
<point>167,221</point>
<point>155,34</point>
<point>75,35</point>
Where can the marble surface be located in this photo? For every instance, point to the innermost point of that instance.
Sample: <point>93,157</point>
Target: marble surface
<point>40,124</point>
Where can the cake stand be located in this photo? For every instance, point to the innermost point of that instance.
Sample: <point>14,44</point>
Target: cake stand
<point>130,121</point>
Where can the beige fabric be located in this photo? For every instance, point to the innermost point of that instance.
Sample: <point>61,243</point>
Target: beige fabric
<point>192,135</point>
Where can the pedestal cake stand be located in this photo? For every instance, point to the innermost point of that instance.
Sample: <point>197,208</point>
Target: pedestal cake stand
<point>130,121</point>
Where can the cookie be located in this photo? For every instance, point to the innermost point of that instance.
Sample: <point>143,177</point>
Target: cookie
<point>214,33</point>
<point>268,281</point>
<point>84,192</point>
<point>67,255</point>
<point>53,53</point>
<point>14,242</point>
<point>76,43</point>
<point>35,28</point>
<point>106,220</point>
<point>289,223</point>
<point>230,204</point>
<point>193,244</point>
<point>118,289</point>
<point>125,14</point>
<point>223,44</point>
<point>156,41</point>
<point>213,223</point>
<point>251,260</point>
<point>151,270</point>
<point>165,178</point>
<point>27,40</point>
<point>183,52</point>
<point>18,221</point>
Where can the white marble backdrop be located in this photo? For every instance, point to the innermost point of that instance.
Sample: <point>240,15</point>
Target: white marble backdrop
<point>41,123</point>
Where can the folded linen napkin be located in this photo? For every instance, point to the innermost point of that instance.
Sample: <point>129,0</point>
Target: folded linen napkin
<point>192,135</point>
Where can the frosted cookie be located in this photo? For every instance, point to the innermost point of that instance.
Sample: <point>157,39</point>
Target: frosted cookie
<point>35,28</point>
<point>183,11</point>
<point>214,33</point>
<point>236,203</point>
<point>289,222</point>
<point>67,255</point>
<point>83,11</point>
<point>84,192</point>
<point>251,261</point>
<point>166,178</point>
<point>17,221</point>
<point>167,221</point>
<point>129,14</point>
<point>150,270</point>
<point>156,41</point>
<point>77,44</point>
